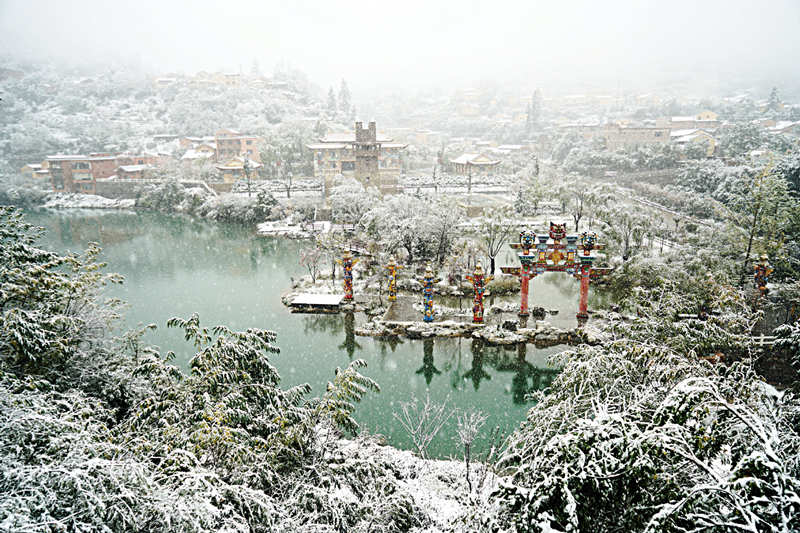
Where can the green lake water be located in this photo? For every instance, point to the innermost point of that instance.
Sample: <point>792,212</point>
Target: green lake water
<point>174,266</point>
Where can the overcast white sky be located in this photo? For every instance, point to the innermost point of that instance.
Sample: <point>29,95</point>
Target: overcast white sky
<point>417,42</point>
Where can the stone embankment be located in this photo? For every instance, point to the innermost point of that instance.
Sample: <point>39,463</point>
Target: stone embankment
<point>542,334</point>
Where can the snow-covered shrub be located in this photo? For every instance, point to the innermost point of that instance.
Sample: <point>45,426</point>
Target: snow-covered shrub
<point>164,197</point>
<point>638,437</point>
<point>18,193</point>
<point>49,303</point>
<point>641,435</point>
<point>788,338</point>
<point>65,468</point>
<point>108,436</point>
<point>503,285</point>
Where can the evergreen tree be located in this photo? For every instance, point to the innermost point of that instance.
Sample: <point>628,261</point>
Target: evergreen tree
<point>774,101</point>
<point>331,101</point>
<point>320,129</point>
<point>344,99</point>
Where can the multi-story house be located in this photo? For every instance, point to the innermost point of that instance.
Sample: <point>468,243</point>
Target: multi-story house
<point>617,136</point>
<point>71,173</point>
<point>103,165</point>
<point>231,143</point>
<point>233,169</point>
<point>79,173</point>
<point>374,160</point>
<point>134,172</point>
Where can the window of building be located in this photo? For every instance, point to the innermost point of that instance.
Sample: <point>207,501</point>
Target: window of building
<point>658,134</point>
<point>348,165</point>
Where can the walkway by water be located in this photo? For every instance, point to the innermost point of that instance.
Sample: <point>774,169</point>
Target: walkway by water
<point>402,310</point>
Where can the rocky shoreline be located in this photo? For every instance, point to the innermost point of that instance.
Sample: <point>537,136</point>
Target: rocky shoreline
<point>542,335</point>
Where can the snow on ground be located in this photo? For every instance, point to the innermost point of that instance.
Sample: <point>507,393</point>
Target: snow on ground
<point>86,201</point>
<point>438,487</point>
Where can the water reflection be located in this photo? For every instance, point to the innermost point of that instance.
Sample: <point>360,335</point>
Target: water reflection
<point>175,266</point>
<point>477,374</point>
<point>349,345</point>
<point>428,368</point>
<point>330,324</point>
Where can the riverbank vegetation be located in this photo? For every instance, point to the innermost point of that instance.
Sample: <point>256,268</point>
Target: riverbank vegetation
<point>667,425</point>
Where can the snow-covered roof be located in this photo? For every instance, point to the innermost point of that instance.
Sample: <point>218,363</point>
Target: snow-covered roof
<point>349,138</point>
<point>474,159</point>
<point>393,145</point>
<point>237,163</point>
<point>34,166</point>
<point>682,133</point>
<point>133,168</point>
<point>196,154</point>
<point>326,146</point>
<point>510,147</point>
<point>683,119</point>
<point>318,299</point>
<point>686,138</point>
<point>783,125</point>
<point>62,157</point>
<point>211,144</point>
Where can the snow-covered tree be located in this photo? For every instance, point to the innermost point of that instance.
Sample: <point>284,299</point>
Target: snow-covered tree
<point>332,104</point>
<point>656,439</point>
<point>494,231</point>
<point>626,229</point>
<point>345,102</point>
<point>350,201</point>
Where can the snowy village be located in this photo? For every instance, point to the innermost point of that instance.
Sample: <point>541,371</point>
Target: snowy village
<point>435,267</point>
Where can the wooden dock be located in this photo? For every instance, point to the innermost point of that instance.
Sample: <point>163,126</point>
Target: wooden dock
<point>316,303</point>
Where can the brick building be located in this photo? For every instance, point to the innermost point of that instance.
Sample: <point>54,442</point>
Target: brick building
<point>71,173</point>
<point>231,143</point>
<point>79,173</point>
<point>133,172</point>
<point>103,165</point>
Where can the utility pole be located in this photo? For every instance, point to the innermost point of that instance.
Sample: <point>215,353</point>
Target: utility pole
<point>469,184</point>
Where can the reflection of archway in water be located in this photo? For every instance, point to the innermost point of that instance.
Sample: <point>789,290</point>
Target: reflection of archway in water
<point>527,377</point>
<point>391,343</point>
<point>428,369</point>
<point>349,343</point>
<point>477,374</point>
